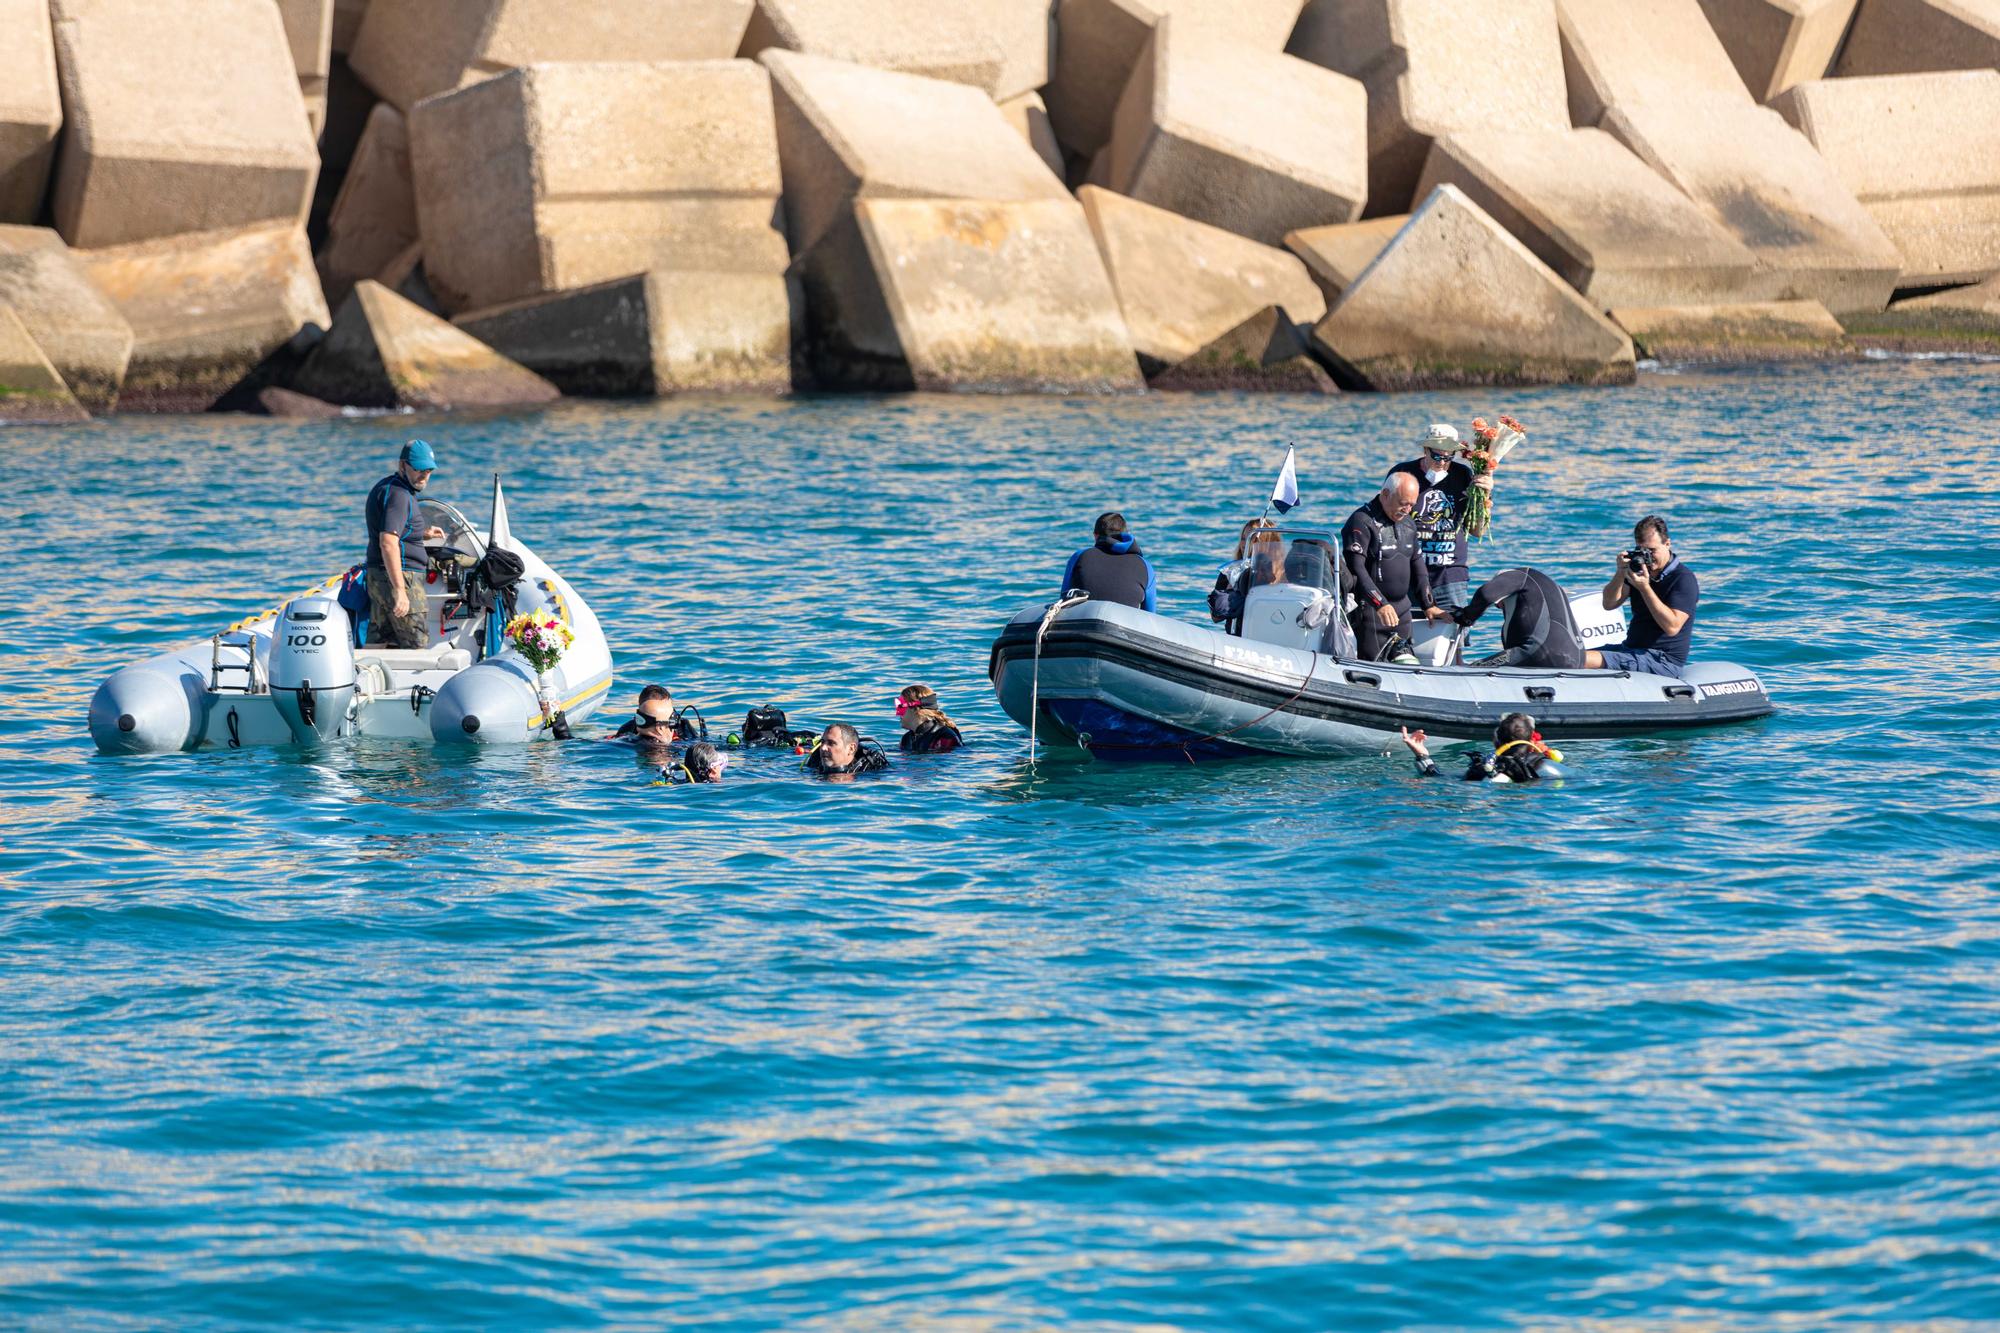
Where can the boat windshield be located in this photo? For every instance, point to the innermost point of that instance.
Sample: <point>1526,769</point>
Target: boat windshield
<point>1304,556</point>
<point>458,531</point>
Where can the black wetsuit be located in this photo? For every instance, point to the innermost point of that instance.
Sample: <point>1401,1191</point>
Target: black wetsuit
<point>1519,762</point>
<point>931,740</point>
<point>1385,567</point>
<point>1112,570</point>
<point>1538,630</point>
<point>868,758</point>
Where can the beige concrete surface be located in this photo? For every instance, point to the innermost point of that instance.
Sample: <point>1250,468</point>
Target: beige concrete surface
<point>1921,36</point>
<point>384,352</point>
<point>30,108</point>
<point>1336,256</point>
<point>374,217</point>
<point>76,325</point>
<point>31,392</point>
<point>1778,43</point>
<point>1752,332</point>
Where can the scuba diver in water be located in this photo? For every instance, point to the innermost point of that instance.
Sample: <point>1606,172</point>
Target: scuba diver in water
<point>702,763</point>
<point>842,754</point>
<point>658,722</point>
<point>926,728</point>
<point>1518,754</point>
<point>1537,629</point>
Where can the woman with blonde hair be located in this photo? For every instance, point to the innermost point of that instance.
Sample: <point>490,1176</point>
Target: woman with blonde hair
<point>926,729</point>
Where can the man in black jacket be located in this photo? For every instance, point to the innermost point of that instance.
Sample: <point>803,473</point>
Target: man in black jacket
<point>1385,568</point>
<point>1113,569</point>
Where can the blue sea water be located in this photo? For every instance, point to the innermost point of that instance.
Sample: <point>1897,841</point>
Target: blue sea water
<point>387,1035</point>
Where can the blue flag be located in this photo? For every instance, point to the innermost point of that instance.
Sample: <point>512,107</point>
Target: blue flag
<point>1285,495</point>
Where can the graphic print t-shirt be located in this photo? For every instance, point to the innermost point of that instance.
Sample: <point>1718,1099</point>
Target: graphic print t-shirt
<point>1440,517</point>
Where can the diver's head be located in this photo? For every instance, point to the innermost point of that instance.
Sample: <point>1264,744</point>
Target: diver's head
<point>1399,496</point>
<point>839,745</point>
<point>1514,727</point>
<point>914,703</point>
<point>704,763</point>
<point>654,721</point>
<point>1110,527</point>
<point>416,463</point>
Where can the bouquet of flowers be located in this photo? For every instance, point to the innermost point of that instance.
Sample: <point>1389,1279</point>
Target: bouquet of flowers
<point>540,638</point>
<point>1490,444</point>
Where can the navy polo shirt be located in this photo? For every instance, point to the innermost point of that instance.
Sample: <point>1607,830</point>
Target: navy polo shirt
<point>1680,590</point>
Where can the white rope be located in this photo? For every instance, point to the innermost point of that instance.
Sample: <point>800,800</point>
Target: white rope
<point>1035,695</point>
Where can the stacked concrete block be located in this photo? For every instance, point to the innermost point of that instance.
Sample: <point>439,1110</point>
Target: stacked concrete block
<point>30,107</point>
<point>1962,321</point>
<point>374,218</point>
<point>848,132</point>
<point>181,118</point>
<point>1778,43</point>
<point>206,309</point>
<point>1920,36</point>
<point>1099,44</point>
<point>1335,256</point>
<point>309,29</point>
<point>1432,67</point>
<point>1456,301</point>
<point>998,46</point>
<point>76,325</point>
<point>1030,118</point>
<point>31,391</point>
<point>1762,331</point>
<point>347,16</point>
<point>966,295</point>
<point>1594,213</point>
<point>407,50</point>
<point>1258,143</point>
<point>1633,53</point>
<point>384,352</point>
<point>1182,284</point>
<point>651,335</point>
<point>1922,154</point>
<point>1266,353</point>
<point>564,175</point>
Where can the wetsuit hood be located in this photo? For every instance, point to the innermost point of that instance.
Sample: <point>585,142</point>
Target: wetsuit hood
<point>1118,545</point>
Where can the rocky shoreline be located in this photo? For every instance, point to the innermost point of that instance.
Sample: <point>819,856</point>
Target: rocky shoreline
<point>290,206</point>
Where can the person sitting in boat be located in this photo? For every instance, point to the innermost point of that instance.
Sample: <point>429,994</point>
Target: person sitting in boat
<point>702,763</point>
<point>1386,570</point>
<point>658,722</point>
<point>1537,629</point>
<point>1518,755</point>
<point>1113,569</point>
<point>1664,593</point>
<point>1260,559</point>
<point>397,561</point>
<point>842,754</point>
<point>926,728</point>
<point>1443,529</point>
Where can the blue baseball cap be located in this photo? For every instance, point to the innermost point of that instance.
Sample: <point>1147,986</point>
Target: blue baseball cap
<point>419,456</point>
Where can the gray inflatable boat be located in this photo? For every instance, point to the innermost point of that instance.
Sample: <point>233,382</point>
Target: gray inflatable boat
<point>1282,679</point>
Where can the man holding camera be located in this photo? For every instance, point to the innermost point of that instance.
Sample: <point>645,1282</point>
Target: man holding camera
<point>1664,592</point>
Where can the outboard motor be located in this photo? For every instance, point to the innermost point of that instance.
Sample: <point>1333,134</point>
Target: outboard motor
<point>312,668</point>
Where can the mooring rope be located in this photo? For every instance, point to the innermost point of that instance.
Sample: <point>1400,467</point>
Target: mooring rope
<point>1035,694</point>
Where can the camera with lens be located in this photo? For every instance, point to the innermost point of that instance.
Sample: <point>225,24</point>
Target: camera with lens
<point>1639,559</point>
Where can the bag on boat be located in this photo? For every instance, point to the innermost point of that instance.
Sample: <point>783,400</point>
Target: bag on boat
<point>353,599</point>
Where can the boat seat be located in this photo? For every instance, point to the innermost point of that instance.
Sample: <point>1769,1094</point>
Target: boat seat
<point>443,657</point>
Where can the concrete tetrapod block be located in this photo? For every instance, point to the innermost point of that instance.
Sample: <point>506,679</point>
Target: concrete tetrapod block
<point>31,392</point>
<point>1099,43</point>
<point>347,16</point>
<point>651,334</point>
<point>1030,119</point>
<point>1435,66</point>
<point>206,309</point>
<point>1596,214</point>
<point>309,29</point>
<point>1456,302</point>
<point>1182,284</point>
<point>1000,47</point>
<point>1626,52</point>
<point>1264,354</point>
<point>846,131</point>
<point>407,50</point>
<point>1921,36</point>
<point>1256,143</point>
<point>564,175</point>
<point>382,351</point>
<point>1336,256</point>
<point>1922,154</point>
<point>374,217</point>
<point>78,329</point>
<point>30,107</point>
<point>1965,320</point>
<point>1778,43</point>
<point>1760,331</point>
<point>1761,180</point>
<point>182,118</point>
<point>968,295</point>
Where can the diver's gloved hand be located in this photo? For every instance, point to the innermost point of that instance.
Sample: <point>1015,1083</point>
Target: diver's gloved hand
<point>1464,617</point>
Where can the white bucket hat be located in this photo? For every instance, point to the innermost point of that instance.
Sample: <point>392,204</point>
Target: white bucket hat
<point>1441,433</point>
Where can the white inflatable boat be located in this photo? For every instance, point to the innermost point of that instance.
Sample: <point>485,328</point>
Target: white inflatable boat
<point>1283,679</point>
<point>294,675</point>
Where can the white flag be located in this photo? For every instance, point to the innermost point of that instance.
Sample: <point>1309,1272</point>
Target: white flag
<point>499,535</point>
<point>1285,495</point>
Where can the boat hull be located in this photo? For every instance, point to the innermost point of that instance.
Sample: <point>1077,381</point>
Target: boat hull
<point>1121,682</point>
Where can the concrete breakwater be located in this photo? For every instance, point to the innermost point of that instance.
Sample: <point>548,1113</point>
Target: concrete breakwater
<point>291,205</point>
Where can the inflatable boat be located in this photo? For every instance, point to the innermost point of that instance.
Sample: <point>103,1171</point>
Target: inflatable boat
<point>1280,677</point>
<point>298,674</point>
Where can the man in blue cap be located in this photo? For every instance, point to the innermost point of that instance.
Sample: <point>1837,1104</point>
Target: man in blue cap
<point>397,561</point>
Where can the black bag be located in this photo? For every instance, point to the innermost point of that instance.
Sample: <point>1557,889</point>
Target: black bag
<point>488,583</point>
<point>766,726</point>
